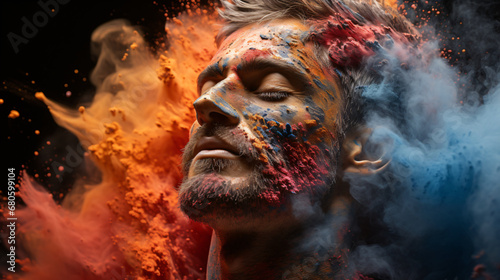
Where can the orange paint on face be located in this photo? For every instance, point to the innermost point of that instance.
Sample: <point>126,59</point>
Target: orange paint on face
<point>130,223</point>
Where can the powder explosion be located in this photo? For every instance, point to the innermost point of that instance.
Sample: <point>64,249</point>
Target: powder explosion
<point>441,185</point>
<point>129,224</point>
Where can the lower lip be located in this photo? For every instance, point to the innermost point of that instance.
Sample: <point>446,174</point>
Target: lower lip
<point>215,154</point>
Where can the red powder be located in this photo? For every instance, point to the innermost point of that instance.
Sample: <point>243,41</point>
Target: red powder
<point>304,172</point>
<point>348,43</point>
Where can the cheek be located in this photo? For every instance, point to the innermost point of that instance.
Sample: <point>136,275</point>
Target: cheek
<point>281,113</point>
<point>322,124</point>
<point>290,113</point>
<point>315,110</point>
<point>194,128</point>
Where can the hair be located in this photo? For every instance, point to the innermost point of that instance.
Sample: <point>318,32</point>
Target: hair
<point>240,13</point>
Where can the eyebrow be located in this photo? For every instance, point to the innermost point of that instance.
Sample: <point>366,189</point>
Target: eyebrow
<point>257,64</point>
<point>212,71</point>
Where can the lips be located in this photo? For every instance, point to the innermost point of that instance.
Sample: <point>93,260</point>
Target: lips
<point>214,147</point>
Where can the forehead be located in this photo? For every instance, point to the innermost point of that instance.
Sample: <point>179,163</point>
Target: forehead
<point>284,40</point>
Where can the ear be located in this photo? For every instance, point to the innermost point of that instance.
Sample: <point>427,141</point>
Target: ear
<point>354,158</point>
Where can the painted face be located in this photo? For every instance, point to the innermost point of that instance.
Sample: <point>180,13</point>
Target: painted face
<point>267,120</point>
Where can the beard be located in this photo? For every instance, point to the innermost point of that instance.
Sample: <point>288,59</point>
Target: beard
<point>281,167</point>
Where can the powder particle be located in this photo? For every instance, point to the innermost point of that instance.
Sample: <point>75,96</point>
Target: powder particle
<point>1,101</point>
<point>37,132</point>
<point>39,95</point>
<point>13,114</point>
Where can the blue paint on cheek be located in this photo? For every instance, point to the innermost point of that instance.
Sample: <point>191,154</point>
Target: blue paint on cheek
<point>288,132</point>
<point>287,113</point>
<point>256,110</point>
<point>275,145</point>
<point>330,96</point>
<point>328,90</point>
<point>316,112</point>
<point>320,84</point>
<point>276,131</point>
<point>262,131</point>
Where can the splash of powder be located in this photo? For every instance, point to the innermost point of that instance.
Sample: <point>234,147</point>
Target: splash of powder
<point>436,200</point>
<point>128,225</point>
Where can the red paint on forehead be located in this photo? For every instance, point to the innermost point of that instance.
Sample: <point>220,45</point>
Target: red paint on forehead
<point>349,42</point>
<point>254,53</point>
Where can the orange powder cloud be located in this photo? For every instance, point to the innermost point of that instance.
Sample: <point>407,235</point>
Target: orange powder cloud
<point>128,225</point>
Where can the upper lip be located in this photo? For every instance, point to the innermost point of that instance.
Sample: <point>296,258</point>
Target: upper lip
<point>213,143</point>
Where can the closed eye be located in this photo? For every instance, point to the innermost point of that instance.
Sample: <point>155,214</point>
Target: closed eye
<point>273,96</point>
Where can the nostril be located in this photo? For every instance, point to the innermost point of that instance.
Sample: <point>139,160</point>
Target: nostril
<point>218,117</point>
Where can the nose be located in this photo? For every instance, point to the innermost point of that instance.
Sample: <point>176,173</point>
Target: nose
<point>212,108</point>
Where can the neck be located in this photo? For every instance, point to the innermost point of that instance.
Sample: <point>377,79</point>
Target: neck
<point>315,249</point>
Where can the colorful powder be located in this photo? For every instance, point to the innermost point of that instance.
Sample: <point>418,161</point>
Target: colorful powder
<point>349,43</point>
<point>128,225</point>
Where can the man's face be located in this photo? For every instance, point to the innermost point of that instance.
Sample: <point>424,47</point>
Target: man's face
<point>266,129</point>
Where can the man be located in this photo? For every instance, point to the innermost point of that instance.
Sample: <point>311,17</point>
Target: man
<point>279,122</point>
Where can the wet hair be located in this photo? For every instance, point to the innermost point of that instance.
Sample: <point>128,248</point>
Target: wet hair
<point>240,13</point>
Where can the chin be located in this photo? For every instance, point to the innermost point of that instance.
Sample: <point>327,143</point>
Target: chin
<point>227,204</point>
<point>215,194</point>
<point>236,203</point>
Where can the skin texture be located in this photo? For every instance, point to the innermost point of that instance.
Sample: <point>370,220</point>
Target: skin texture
<point>261,162</point>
